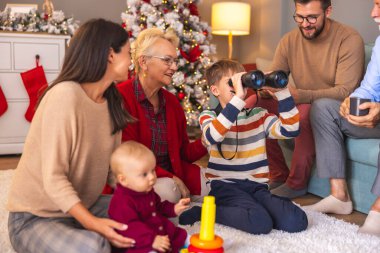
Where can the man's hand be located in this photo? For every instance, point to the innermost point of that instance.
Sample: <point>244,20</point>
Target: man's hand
<point>185,193</point>
<point>344,109</point>
<point>181,206</point>
<point>370,120</point>
<point>161,243</point>
<point>106,227</point>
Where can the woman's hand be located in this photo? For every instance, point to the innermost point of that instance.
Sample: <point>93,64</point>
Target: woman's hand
<point>185,193</point>
<point>106,227</point>
<point>103,226</point>
<point>181,206</point>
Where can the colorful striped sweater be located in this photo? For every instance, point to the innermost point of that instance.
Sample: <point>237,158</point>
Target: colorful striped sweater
<point>252,128</point>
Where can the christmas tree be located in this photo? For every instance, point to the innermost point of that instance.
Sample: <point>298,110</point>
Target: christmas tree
<point>194,49</point>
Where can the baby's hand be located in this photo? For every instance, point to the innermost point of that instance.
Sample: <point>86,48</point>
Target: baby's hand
<point>161,243</point>
<point>181,206</point>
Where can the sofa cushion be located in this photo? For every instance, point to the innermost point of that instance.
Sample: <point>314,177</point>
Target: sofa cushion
<point>368,52</point>
<point>365,151</point>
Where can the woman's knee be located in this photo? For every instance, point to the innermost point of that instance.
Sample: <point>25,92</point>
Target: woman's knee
<point>167,189</point>
<point>95,243</point>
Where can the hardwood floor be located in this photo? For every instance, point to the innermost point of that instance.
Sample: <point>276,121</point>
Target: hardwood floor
<point>10,162</point>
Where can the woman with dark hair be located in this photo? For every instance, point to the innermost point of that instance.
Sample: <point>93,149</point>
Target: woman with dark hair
<point>55,200</point>
<point>161,122</point>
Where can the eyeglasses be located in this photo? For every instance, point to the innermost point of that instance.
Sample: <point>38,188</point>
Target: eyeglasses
<point>310,19</point>
<point>167,59</point>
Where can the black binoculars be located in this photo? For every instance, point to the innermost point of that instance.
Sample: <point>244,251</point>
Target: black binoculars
<point>256,79</point>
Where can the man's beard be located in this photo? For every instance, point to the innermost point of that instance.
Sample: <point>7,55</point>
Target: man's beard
<point>317,31</point>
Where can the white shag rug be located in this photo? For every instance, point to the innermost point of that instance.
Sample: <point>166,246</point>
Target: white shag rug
<point>5,182</point>
<point>324,235</point>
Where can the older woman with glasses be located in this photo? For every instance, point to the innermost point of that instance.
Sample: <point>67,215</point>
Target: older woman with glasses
<point>161,122</point>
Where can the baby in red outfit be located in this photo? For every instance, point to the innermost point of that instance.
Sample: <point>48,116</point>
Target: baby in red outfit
<point>135,203</point>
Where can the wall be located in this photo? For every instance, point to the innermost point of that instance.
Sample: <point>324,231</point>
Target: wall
<point>270,20</point>
<point>81,9</point>
<point>354,13</point>
<point>261,41</point>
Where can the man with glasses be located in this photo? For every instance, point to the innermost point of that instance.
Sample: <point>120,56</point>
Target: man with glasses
<point>326,60</point>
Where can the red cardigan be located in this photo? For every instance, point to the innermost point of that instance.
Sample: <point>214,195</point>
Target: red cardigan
<point>182,153</point>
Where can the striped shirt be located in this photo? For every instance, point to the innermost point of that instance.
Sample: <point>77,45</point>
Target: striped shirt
<point>252,127</point>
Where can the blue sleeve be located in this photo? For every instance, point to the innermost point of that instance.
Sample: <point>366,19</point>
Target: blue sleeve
<point>370,86</point>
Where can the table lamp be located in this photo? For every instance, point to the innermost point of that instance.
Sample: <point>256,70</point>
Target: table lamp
<point>230,18</point>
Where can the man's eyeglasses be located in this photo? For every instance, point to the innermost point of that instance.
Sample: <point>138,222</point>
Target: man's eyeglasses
<point>167,59</point>
<point>310,19</point>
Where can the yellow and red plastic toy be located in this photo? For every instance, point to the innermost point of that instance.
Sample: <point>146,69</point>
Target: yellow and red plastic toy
<point>206,241</point>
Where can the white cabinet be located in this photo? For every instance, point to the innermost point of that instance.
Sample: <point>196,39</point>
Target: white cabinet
<point>17,54</point>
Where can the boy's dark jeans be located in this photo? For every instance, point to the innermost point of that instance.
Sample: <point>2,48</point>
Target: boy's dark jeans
<point>249,206</point>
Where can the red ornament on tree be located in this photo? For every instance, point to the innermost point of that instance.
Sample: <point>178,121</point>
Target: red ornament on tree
<point>181,95</point>
<point>193,54</point>
<point>193,9</point>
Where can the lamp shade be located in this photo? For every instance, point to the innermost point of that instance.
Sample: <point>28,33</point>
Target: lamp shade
<point>230,17</point>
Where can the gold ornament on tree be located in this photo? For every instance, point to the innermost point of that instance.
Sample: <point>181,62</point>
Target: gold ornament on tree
<point>48,7</point>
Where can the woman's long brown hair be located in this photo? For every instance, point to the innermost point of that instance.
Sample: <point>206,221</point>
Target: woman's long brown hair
<point>86,61</point>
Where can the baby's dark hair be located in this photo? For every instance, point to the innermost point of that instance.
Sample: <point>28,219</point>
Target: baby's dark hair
<point>216,71</point>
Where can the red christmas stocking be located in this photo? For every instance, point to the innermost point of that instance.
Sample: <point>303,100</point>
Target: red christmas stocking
<point>35,83</point>
<point>3,103</point>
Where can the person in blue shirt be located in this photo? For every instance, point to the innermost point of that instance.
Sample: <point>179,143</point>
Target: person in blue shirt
<point>331,122</point>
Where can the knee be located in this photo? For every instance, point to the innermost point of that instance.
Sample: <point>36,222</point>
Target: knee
<point>94,244</point>
<point>320,109</point>
<point>294,223</point>
<point>260,223</point>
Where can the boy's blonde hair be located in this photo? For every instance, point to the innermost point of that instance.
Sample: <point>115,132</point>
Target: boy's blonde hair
<point>221,68</point>
<point>129,151</point>
<point>144,41</point>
